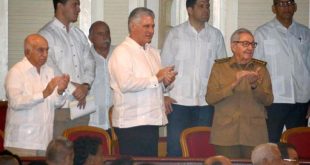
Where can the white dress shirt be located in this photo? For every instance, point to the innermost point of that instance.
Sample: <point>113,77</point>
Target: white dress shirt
<point>30,117</point>
<point>69,52</point>
<point>137,95</point>
<point>193,55</point>
<point>102,91</point>
<point>287,52</point>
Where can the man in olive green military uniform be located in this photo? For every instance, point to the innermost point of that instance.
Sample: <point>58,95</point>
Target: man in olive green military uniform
<point>239,88</point>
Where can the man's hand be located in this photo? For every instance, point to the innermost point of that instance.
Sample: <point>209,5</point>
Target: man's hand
<point>80,94</point>
<point>169,78</point>
<point>50,87</point>
<point>168,102</point>
<point>161,74</point>
<point>63,83</point>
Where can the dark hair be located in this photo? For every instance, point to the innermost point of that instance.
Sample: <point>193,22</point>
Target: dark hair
<point>85,146</point>
<point>9,155</point>
<point>190,3</point>
<point>283,147</point>
<point>276,1</point>
<point>55,2</point>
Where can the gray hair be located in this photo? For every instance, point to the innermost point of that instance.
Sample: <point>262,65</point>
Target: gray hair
<point>58,149</point>
<point>263,152</point>
<point>137,13</point>
<point>236,35</point>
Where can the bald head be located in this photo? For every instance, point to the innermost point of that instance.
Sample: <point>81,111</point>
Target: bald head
<point>99,35</point>
<point>35,49</point>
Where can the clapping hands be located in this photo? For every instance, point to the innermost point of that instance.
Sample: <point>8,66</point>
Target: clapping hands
<point>166,75</point>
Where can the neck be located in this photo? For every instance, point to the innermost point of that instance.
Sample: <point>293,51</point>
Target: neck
<point>102,51</point>
<point>241,60</point>
<point>197,24</point>
<point>63,20</point>
<point>286,23</point>
<point>38,69</point>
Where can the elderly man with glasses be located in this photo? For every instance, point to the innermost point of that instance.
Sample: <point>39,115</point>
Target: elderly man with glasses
<point>284,44</point>
<point>239,88</point>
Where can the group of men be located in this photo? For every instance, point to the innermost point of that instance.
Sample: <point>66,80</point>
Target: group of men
<point>189,83</point>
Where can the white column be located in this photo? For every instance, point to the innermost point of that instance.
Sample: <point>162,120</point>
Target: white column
<point>132,4</point>
<point>231,23</point>
<point>3,45</point>
<point>85,16</point>
<point>97,10</point>
<point>154,6</point>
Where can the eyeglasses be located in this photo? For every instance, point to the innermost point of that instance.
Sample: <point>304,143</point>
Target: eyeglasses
<point>246,43</point>
<point>285,3</point>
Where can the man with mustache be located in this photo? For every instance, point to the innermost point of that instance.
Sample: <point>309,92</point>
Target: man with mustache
<point>99,35</point>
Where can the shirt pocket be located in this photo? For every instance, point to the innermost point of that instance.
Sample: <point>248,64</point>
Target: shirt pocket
<point>271,47</point>
<point>58,54</point>
<point>183,50</point>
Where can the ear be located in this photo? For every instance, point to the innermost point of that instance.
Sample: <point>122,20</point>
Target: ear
<point>274,9</point>
<point>295,7</point>
<point>189,10</point>
<point>233,47</point>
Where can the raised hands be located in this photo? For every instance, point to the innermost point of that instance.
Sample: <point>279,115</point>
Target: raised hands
<point>253,77</point>
<point>63,83</point>
<point>60,81</point>
<point>166,75</point>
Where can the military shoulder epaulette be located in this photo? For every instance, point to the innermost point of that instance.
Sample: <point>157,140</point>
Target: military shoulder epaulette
<point>260,61</point>
<point>222,60</point>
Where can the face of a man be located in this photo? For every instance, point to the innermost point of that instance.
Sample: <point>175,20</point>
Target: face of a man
<point>100,36</point>
<point>71,10</point>
<point>37,55</point>
<point>284,10</point>
<point>200,11</point>
<point>143,31</point>
<point>241,50</point>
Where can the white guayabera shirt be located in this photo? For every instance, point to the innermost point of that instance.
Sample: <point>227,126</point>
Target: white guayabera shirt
<point>287,52</point>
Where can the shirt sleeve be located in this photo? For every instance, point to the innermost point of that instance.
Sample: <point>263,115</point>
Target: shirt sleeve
<point>51,59</point>
<point>14,87</point>
<point>168,51</point>
<point>121,73</point>
<point>259,50</point>
<point>263,91</point>
<point>221,48</point>
<point>89,64</point>
<point>215,92</point>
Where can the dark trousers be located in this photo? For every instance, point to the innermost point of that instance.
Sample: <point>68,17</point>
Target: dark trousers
<point>138,141</point>
<point>62,121</point>
<point>183,117</point>
<point>288,115</point>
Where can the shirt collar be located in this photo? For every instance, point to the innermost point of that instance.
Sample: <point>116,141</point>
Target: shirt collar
<point>233,63</point>
<point>194,30</point>
<point>59,24</point>
<point>93,51</point>
<point>280,26</point>
<point>136,45</point>
<point>29,67</point>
